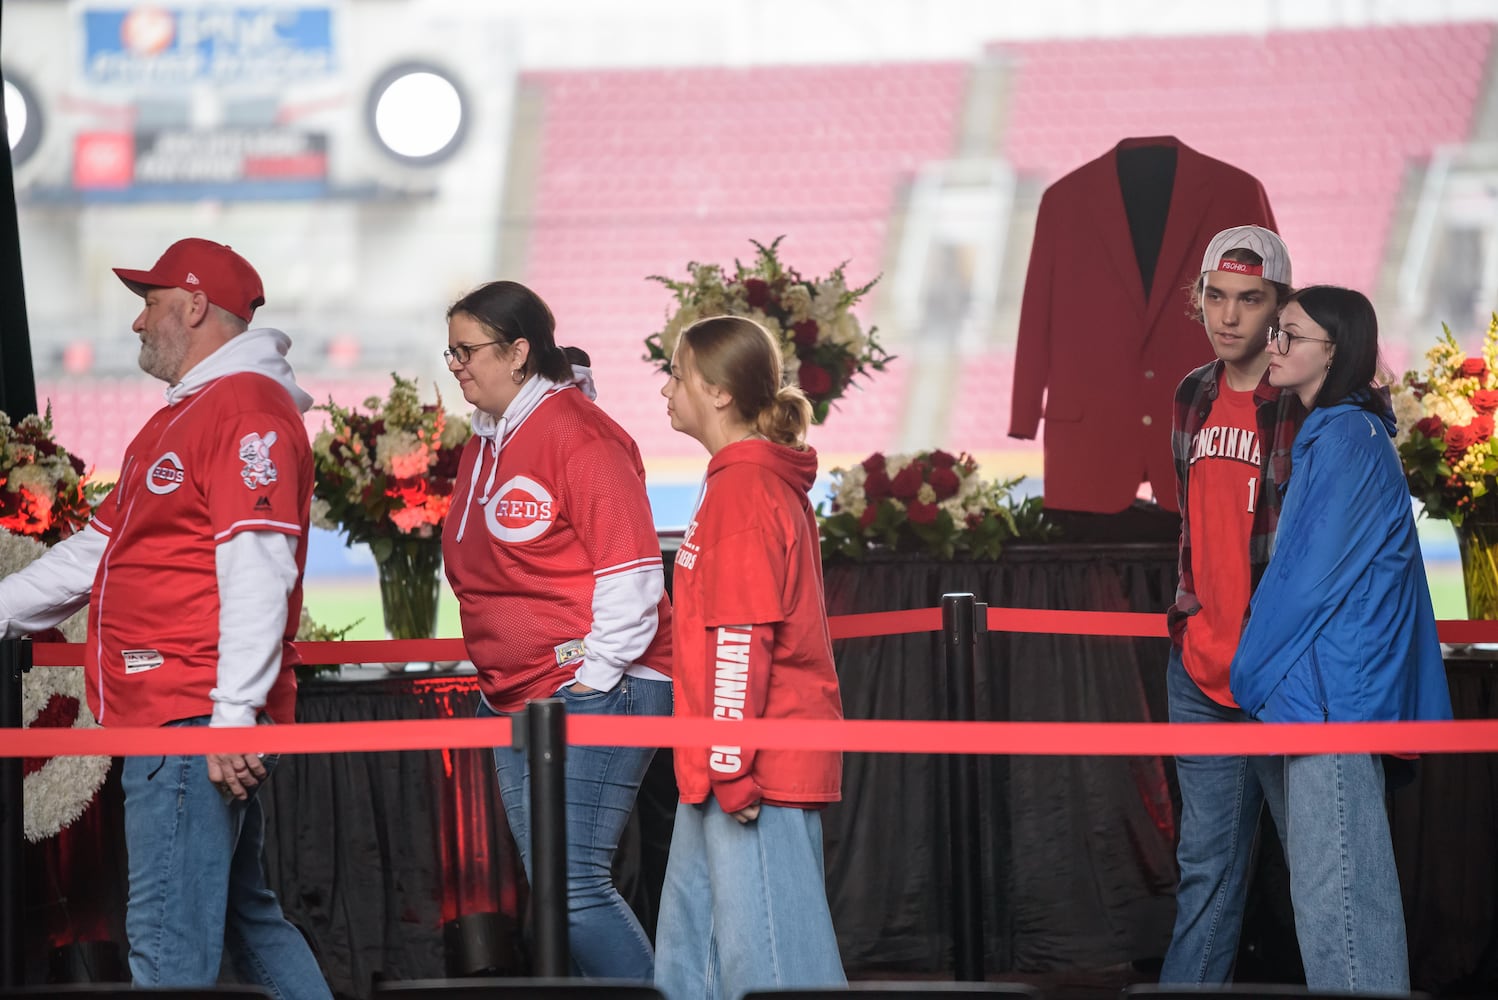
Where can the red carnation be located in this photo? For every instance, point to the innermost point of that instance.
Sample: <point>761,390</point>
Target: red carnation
<point>815,380</point>
<point>1474,368</point>
<point>1485,400</point>
<point>907,483</point>
<point>944,481</point>
<point>1431,427</point>
<point>943,460</point>
<point>874,463</point>
<point>756,292</point>
<point>876,486</point>
<point>922,513</point>
<point>806,332</point>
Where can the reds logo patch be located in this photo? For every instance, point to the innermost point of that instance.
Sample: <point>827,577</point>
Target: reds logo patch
<point>254,451</point>
<point>522,510</point>
<point>165,474</point>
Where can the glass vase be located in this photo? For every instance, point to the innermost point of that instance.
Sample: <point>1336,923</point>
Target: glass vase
<point>1478,542</point>
<point>410,582</point>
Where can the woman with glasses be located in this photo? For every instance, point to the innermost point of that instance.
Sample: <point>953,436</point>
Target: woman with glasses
<point>551,550</point>
<point>1341,630</point>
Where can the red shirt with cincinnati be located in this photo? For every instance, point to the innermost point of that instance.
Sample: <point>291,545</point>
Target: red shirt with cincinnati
<point>232,457</point>
<point>750,628</point>
<point>564,544</point>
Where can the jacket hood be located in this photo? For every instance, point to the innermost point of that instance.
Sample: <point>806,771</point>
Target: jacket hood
<point>797,468</point>
<point>1376,403</point>
<point>262,351</point>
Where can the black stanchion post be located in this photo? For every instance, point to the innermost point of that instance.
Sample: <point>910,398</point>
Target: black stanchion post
<point>546,741</point>
<point>960,638</point>
<point>15,660</point>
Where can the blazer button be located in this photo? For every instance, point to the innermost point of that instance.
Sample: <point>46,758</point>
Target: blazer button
<point>1148,421</point>
<point>1149,373</point>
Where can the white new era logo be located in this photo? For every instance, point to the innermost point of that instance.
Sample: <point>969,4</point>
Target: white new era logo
<point>192,279</point>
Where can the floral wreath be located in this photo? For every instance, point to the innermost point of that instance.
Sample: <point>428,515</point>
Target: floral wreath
<point>57,789</point>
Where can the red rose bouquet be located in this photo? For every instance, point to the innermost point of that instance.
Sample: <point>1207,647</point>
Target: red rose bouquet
<point>388,473</point>
<point>45,493</point>
<point>823,346</point>
<point>932,502</point>
<point>1445,430</point>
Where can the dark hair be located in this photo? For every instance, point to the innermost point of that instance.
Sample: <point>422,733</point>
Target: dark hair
<point>513,312</point>
<point>1352,326</point>
<point>1244,256</point>
<point>741,356</point>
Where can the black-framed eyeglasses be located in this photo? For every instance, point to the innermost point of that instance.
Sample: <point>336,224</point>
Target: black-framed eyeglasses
<point>463,353</point>
<point>1281,340</point>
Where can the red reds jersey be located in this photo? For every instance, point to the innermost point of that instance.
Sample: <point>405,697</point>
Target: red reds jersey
<point>232,457</point>
<point>546,541</point>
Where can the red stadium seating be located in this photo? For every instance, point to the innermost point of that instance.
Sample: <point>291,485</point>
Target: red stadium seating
<point>643,171</point>
<point>1329,121</point>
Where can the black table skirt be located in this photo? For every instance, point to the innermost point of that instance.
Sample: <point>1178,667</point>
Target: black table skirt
<point>374,854</point>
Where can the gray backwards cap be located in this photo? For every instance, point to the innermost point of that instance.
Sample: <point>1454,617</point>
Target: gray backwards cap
<point>1267,245</point>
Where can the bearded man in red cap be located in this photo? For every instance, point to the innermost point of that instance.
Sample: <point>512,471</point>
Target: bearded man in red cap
<point>192,572</point>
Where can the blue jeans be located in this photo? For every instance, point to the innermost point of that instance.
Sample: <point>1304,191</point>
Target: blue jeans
<point>197,884</point>
<point>604,935</point>
<point>1221,799</point>
<point>744,906</point>
<point>1349,916</point>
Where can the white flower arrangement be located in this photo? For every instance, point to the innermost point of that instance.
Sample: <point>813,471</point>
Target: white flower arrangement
<point>57,789</point>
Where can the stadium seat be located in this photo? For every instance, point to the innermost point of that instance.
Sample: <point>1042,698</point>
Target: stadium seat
<point>896,990</point>
<point>516,989</point>
<point>1253,991</point>
<point>124,991</point>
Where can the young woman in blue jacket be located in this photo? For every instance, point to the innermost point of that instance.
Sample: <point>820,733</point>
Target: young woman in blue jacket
<point>1341,630</point>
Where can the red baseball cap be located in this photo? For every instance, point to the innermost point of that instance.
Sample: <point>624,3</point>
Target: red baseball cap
<point>203,266</point>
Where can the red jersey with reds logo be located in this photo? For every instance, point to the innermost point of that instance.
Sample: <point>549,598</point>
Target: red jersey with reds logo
<point>231,457</point>
<point>551,550</point>
<point>751,628</point>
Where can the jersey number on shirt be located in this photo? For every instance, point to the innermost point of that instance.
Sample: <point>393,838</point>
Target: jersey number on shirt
<point>1253,492</point>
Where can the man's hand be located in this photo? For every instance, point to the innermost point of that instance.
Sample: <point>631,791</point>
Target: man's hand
<point>234,774</point>
<point>747,815</point>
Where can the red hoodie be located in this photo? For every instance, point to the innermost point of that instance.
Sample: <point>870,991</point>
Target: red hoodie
<point>750,628</point>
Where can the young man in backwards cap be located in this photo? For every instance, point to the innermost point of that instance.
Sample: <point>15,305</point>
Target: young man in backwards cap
<point>1231,437</point>
<point>192,572</point>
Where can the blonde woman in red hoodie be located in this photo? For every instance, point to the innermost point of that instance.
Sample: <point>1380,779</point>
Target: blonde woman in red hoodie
<point>745,903</point>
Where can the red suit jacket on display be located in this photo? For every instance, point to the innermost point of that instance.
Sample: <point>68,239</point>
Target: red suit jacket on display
<point>1105,357</point>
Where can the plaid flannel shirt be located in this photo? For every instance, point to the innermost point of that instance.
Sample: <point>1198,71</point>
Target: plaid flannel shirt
<point>1278,416</point>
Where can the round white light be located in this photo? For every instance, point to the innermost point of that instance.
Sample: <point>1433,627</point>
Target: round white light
<point>418,115</point>
<point>17,114</point>
<point>23,120</point>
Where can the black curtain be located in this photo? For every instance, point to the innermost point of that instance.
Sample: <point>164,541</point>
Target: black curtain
<point>374,854</point>
<point>1079,857</point>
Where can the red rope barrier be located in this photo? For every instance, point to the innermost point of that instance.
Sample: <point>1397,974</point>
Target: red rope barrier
<point>1126,624</point>
<point>852,735</point>
<point>872,736</point>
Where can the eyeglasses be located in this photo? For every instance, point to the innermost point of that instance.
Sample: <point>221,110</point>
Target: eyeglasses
<point>1281,340</point>
<point>463,353</point>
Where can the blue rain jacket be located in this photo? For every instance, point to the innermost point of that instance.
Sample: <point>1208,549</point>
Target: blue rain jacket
<point>1340,628</point>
